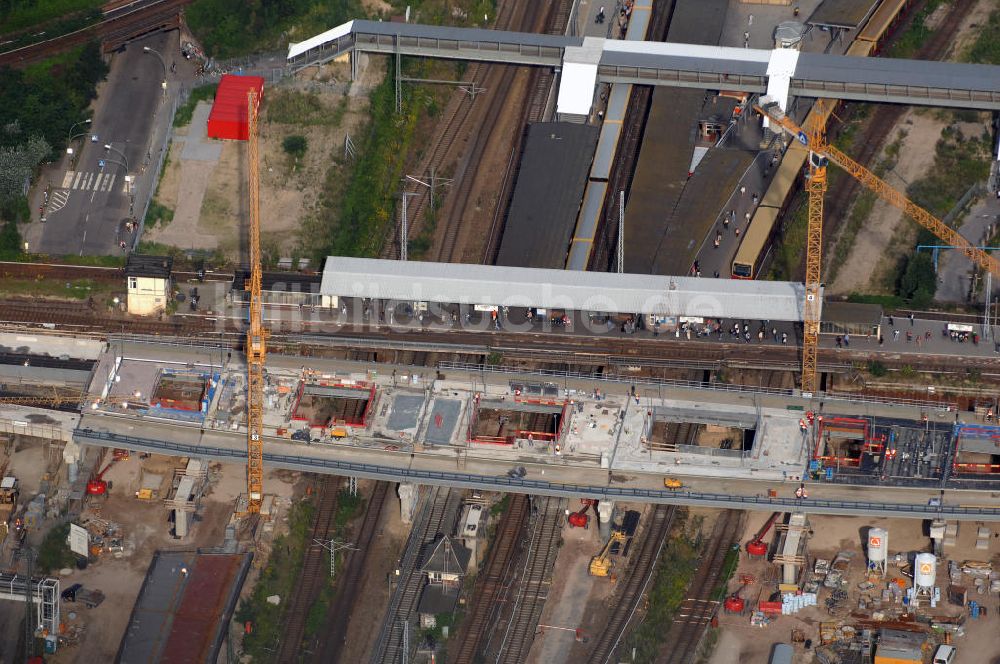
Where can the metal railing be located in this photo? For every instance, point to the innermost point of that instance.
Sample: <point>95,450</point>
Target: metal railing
<point>530,486</point>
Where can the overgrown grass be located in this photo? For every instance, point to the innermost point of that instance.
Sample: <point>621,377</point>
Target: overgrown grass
<point>186,110</point>
<point>677,564</point>
<point>277,578</point>
<point>158,214</point>
<point>909,42</point>
<point>80,289</point>
<point>354,220</point>
<point>94,261</point>
<point>303,109</point>
<point>500,506</point>
<point>787,262</point>
<point>986,48</point>
<point>17,15</point>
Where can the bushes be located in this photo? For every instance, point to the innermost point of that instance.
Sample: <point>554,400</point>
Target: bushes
<point>228,28</point>
<point>295,147</point>
<point>986,48</point>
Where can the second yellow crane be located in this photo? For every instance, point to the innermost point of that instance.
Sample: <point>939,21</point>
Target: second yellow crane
<point>820,152</point>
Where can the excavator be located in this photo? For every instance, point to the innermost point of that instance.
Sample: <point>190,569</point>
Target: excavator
<point>600,565</point>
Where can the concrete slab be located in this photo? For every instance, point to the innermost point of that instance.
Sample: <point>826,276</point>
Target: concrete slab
<point>405,411</point>
<point>197,145</point>
<point>442,421</point>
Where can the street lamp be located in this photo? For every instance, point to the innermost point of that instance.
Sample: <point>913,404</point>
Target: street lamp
<point>109,148</point>
<point>69,134</point>
<point>146,49</point>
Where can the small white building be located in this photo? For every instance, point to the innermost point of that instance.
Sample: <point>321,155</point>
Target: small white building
<point>148,281</point>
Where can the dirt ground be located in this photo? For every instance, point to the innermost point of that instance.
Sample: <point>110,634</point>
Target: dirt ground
<point>739,643</point>
<point>208,197</point>
<point>366,621</point>
<point>147,530</point>
<point>884,235</point>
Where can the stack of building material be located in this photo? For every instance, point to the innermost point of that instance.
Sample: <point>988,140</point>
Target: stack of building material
<point>951,533</point>
<point>983,535</point>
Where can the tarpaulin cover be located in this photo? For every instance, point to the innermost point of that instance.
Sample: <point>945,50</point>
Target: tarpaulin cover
<point>228,118</point>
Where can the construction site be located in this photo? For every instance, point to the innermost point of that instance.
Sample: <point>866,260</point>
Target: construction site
<point>603,418</point>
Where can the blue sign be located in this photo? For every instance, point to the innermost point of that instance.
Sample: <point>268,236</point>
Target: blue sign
<point>803,139</point>
<point>100,162</point>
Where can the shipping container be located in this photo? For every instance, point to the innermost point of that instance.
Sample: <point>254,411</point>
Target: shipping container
<point>228,119</point>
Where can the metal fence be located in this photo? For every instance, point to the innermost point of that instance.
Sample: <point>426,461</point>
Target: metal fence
<point>154,179</point>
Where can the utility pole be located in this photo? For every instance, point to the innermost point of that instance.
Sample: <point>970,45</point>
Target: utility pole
<point>333,546</point>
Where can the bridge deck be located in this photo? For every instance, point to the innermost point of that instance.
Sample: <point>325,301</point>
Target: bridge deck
<point>679,65</point>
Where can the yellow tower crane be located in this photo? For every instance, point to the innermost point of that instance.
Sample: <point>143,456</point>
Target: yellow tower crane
<point>820,152</point>
<point>256,341</point>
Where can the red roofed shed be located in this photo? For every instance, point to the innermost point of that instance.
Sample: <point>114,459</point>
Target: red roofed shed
<point>228,118</point>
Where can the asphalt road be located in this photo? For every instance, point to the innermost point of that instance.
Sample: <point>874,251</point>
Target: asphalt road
<point>89,204</point>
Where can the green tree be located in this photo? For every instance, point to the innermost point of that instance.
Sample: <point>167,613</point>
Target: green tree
<point>295,147</point>
<point>918,282</point>
<point>10,241</point>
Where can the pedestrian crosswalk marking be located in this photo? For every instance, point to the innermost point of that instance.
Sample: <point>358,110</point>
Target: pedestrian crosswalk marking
<point>57,201</point>
<point>83,181</point>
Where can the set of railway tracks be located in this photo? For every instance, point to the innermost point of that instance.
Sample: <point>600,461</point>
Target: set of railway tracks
<point>521,603</point>
<point>627,156</point>
<point>398,631</point>
<point>702,603</point>
<point>489,585</point>
<point>315,565</point>
<point>349,579</point>
<point>632,589</point>
<point>499,81</point>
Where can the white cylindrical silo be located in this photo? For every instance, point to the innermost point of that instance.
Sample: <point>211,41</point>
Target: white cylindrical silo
<point>878,545</point>
<point>878,549</point>
<point>924,572</point>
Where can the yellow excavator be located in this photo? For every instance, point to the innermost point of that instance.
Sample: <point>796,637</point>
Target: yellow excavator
<point>600,565</point>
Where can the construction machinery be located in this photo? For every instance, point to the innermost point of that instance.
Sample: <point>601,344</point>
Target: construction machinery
<point>580,518</point>
<point>8,503</point>
<point>672,483</point>
<point>600,565</point>
<point>256,339</point>
<point>820,154</point>
<point>98,486</point>
<point>757,547</point>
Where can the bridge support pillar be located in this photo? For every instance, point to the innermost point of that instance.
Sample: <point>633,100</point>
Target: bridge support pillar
<point>407,493</point>
<point>605,515</point>
<point>71,455</point>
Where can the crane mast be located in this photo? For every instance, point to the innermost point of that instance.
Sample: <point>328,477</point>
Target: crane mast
<point>820,152</point>
<point>256,341</point>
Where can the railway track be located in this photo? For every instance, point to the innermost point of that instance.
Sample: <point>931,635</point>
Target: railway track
<point>456,121</point>
<point>489,585</point>
<point>702,603</point>
<point>630,591</point>
<point>118,26</point>
<point>349,580</point>
<point>530,17</point>
<point>520,607</point>
<point>627,155</point>
<point>315,565</point>
<point>398,630</point>
<point>877,131</point>
<point>541,85</point>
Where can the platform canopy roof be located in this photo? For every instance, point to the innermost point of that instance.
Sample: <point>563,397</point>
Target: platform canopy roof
<point>453,283</point>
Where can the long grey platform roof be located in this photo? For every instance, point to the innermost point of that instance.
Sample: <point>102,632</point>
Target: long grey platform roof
<point>451,283</point>
<point>682,65</point>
